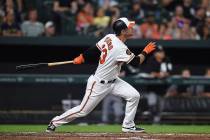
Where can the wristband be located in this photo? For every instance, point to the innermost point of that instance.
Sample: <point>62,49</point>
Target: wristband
<point>144,53</point>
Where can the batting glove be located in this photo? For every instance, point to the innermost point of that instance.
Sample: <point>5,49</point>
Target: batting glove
<point>79,59</point>
<point>150,47</point>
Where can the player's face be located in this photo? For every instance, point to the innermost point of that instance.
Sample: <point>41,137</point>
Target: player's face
<point>129,32</point>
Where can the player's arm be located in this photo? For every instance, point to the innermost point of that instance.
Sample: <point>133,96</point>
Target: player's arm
<point>88,55</point>
<point>142,56</point>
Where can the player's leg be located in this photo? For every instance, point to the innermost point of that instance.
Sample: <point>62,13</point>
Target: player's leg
<point>95,92</point>
<point>132,96</point>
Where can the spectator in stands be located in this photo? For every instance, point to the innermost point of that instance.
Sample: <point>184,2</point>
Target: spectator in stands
<point>137,13</point>
<point>205,3</point>
<point>13,4</point>
<point>194,34</point>
<point>199,19</point>
<point>10,27</point>
<point>85,18</point>
<point>2,14</point>
<point>16,6</point>
<point>206,88</point>
<point>114,10</point>
<point>72,6</point>
<point>136,32</point>
<point>184,90</point>
<point>149,28</point>
<point>20,5</point>
<point>162,32</point>
<point>106,4</point>
<point>32,27</point>
<point>205,30</point>
<point>149,5</point>
<point>64,10</point>
<point>101,20</point>
<point>173,30</point>
<point>61,5</point>
<point>206,33</point>
<point>167,8</point>
<point>208,12</point>
<point>179,17</point>
<point>186,32</point>
<point>179,27</point>
<point>174,90</point>
<point>49,29</point>
<point>189,8</point>
<point>108,29</point>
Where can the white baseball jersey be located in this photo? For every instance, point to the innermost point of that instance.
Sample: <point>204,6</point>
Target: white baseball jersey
<point>113,53</point>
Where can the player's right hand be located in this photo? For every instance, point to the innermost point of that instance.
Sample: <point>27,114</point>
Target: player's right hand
<point>150,47</point>
<point>79,59</point>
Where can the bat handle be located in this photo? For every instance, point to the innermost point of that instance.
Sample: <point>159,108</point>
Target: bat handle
<point>59,63</point>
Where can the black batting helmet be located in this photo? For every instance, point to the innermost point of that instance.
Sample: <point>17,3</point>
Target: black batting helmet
<point>121,24</point>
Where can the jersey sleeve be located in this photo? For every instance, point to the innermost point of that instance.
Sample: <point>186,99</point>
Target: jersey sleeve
<point>97,45</point>
<point>125,55</point>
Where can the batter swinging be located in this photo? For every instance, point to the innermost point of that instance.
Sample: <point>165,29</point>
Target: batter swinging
<point>113,53</point>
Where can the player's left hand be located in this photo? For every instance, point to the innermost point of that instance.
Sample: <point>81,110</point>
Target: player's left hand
<point>150,47</point>
<point>79,59</point>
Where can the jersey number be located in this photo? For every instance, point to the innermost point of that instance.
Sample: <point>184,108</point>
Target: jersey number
<point>103,56</point>
<point>104,51</point>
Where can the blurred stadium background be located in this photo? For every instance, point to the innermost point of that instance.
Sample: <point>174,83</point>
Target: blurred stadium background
<point>174,82</point>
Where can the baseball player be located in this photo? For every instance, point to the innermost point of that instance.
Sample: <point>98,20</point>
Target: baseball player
<point>112,53</point>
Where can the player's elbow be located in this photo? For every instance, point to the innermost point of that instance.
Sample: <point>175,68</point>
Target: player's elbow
<point>135,62</point>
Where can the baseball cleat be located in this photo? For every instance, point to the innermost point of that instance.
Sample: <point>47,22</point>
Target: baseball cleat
<point>133,129</point>
<point>50,128</point>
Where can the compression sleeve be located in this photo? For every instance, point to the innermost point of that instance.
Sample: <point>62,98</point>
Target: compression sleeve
<point>135,61</point>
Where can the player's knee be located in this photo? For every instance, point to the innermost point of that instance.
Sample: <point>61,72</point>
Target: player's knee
<point>83,113</point>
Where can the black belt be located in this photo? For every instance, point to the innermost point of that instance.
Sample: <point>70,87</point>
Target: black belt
<point>108,82</point>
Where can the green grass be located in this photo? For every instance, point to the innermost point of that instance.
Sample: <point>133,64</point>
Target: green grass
<point>191,129</point>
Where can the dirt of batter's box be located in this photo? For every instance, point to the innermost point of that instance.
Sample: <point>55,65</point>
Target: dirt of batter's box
<point>101,136</point>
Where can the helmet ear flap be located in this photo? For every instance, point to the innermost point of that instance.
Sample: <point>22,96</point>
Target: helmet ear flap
<point>123,31</point>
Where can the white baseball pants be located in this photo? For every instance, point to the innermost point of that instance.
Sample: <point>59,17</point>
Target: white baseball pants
<point>95,92</point>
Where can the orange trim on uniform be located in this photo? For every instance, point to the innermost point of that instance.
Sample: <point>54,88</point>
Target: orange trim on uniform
<point>98,46</point>
<point>81,108</point>
<point>131,24</point>
<point>131,58</point>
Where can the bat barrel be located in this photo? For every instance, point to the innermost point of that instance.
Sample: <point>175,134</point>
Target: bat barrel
<point>31,66</point>
<point>38,65</point>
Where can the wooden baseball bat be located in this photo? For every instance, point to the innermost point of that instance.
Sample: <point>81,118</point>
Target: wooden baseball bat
<point>38,65</point>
